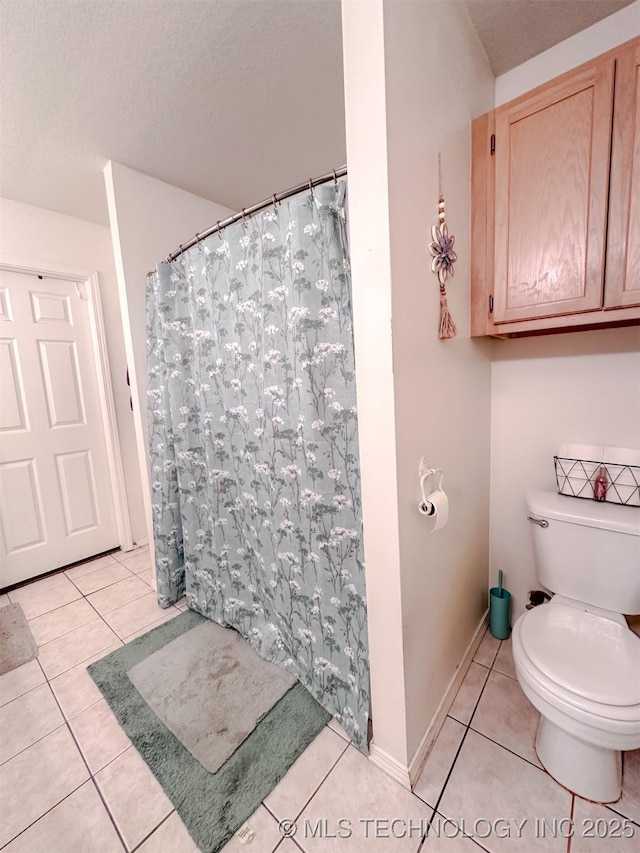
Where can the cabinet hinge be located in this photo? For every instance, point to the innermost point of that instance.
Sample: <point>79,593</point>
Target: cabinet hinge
<point>493,144</point>
<point>490,304</point>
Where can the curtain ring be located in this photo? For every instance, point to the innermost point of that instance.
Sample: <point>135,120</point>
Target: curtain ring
<point>311,187</point>
<point>219,228</point>
<point>275,200</point>
<point>335,178</point>
<point>197,237</point>
<point>244,219</point>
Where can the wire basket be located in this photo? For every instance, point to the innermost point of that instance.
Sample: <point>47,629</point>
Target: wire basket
<point>577,477</point>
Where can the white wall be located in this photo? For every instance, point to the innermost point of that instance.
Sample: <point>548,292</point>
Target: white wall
<point>420,398</point>
<point>35,236</point>
<point>581,387</point>
<point>599,38</point>
<point>148,219</point>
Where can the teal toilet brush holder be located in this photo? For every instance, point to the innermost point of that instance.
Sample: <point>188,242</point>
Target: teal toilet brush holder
<point>499,611</point>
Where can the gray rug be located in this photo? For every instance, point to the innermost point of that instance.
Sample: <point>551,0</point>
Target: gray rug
<point>17,645</point>
<point>210,689</point>
<point>213,806</point>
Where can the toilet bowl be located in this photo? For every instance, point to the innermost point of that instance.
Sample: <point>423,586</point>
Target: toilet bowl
<point>582,673</point>
<point>576,659</point>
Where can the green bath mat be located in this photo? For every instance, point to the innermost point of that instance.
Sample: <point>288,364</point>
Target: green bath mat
<point>17,645</point>
<point>213,806</point>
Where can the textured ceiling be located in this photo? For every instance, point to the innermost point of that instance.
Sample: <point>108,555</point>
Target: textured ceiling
<point>513,31</point>
<point>230,99</point>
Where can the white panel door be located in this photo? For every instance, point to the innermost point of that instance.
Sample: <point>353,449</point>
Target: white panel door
<point>56,500</point>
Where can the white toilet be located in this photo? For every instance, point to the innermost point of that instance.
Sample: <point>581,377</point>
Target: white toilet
<point>576,659</point>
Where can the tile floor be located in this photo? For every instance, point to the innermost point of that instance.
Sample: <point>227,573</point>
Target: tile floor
<point>71,782</point>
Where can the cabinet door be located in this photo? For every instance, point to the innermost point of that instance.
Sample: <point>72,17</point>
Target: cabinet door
<point>552,175</point>
<point>622,284</point>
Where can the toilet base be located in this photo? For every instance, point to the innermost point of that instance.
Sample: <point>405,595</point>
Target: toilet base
<point>590,771</point>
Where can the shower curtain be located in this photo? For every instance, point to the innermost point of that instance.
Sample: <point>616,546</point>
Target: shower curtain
<point>254,445</point>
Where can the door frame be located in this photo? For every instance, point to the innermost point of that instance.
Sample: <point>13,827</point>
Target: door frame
<point>90,281</point>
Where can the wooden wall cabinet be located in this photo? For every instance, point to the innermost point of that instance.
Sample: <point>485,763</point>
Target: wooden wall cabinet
<point>556,203</point>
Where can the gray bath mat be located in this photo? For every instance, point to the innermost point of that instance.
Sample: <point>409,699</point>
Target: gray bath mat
<point>212,805</point>
<point>17,645</point>
<point>210,689</point>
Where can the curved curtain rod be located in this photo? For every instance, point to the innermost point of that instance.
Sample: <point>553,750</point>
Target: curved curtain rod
<point>249,211</point>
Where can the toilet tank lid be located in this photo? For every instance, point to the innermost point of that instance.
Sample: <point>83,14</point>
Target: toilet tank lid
<point>608,516</point>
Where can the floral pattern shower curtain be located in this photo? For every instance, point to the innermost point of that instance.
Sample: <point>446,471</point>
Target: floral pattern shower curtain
<point>254,445</point>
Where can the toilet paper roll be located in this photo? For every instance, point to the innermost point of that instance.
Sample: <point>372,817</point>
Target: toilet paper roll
<point>436,509</point>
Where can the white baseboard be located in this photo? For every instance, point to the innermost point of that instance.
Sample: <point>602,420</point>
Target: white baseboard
<point>391,766</point>
<point>421,754</point>
<point>408,776</point>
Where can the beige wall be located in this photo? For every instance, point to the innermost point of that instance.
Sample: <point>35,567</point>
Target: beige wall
<point>427,592</point>
<point>36,236</point>
<point>148,220</point>
<point>583,46</point>
<point>366,122</point>
<point>437,80</point>
<point>581,387</point>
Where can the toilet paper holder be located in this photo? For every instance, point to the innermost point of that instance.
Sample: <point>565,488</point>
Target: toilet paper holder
<point>425,506</point>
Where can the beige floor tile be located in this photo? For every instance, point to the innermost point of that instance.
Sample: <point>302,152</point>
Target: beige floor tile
<point>170,613</point>
<point>136,561</point>
<point>440,760</point>
<point>360,793</point>
<point>468,693</point>
<point>118,594</point>
<point>487,650</point>
<point>75,647</point>
<point>596,828</point>
<point>36,780</point>
<point>99,735</point>
<point>446,837</point>
<point>137,614</point>
<point>42,596</point>
<point>259,834</point>
<point>338,729</point>
<point>170,837</point>
<point>60,621</point>
<point>79,824</point>
<point>100,578</point>
<point>26,720</point>
<point>629,803</point>
<point>20,680</point>
<point>133,796</point>
<point>505,715</point>
<point>504,660</point>
<point>90,566</point>
<point>75,689</point>
<point>306,775</point>
<point>489,783</point>
<point>288,846</point>
<point>146,575</point>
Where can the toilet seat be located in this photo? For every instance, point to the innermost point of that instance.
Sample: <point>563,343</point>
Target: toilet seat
<point>584,665</point>
<point>583,653</point>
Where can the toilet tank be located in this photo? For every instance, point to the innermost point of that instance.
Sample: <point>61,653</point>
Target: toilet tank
<point>588,551</point>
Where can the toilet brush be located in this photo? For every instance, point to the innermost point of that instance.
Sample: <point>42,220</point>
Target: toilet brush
<point>499,610</point>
